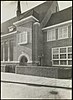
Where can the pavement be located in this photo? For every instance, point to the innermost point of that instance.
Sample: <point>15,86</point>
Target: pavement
<point>26,86</point>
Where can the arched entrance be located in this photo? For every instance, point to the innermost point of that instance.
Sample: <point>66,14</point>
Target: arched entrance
<point>23,61</point>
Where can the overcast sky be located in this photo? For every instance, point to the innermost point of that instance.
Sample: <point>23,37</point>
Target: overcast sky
<point>8,8</point>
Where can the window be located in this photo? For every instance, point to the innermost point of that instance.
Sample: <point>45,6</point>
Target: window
<point>70,49</point>
<point>22,38</point>
<point>6,51</point>
<point>70,31</point>
<point>62,50</point>
<point>62,56</point>
<point>11,50</point>
<point>55,50</point>
<point>51,35</point>
<point>1,52</point>
<point>55,56</point>
<point>56,62</point>
<point>63,32</point>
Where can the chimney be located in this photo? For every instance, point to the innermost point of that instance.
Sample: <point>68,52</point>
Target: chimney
<point>18,9</point>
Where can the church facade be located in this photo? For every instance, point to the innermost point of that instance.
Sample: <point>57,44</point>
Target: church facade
<point>41,36</point>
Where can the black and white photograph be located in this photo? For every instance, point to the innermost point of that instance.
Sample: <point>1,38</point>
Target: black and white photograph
<point>36,50</point>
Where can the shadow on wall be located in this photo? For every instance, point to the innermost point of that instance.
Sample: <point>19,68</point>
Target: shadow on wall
<point>10,68</point>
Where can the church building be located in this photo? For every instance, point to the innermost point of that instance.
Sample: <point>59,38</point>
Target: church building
<point>41,36</point>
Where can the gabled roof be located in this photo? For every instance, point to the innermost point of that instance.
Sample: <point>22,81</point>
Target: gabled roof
<point>59,17</point>
<point>36,12</point>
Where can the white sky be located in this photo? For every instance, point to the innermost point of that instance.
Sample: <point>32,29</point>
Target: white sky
<point>8,8</point>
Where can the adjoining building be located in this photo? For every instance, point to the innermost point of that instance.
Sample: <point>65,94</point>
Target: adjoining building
<point>41,36</point>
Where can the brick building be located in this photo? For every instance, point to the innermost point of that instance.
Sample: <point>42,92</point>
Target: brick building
<point>41,36</point>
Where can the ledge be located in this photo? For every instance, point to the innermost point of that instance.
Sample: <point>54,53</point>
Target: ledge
<point>25,20</point>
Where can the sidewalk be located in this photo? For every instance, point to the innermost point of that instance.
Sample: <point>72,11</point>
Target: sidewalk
<point>35,80</point>
<point>15,86</point>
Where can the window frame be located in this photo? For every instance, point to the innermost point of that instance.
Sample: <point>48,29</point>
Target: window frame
<point>2,52</point>
<point>71,31</point>
<point>67,59</point>
<point>20,39</point>
<point>59,32</point>
<point>51,34</point>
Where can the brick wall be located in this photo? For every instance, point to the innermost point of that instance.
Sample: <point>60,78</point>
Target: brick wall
<point>47,48</point>
<point>43,71</point>
<point>37,42</point>
<point>26,48</point>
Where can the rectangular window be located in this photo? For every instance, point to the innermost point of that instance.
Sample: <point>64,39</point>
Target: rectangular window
<point>63,62</point>
<point>62,50</point>
<point>1,52</point>
<point>22,38</point>
<point>70,31</point>
<point>55,50</point>
<point>55,56</point>
<point>11,50</point>
<point>63,32</point>
<point>70,49</point>
<point>69,62</point>
<point>51,35</point>
<point>6,51</point>
<point>56,62</point>
<point>62,56</point>
<point>69,56</point>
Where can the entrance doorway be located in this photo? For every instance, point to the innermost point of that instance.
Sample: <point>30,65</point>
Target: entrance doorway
<point>23,61</point>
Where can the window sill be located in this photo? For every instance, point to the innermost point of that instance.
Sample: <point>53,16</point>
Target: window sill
<point>63,65</point>
<point>50,40</point>
<point>22,43</point>
<point>62,38</point>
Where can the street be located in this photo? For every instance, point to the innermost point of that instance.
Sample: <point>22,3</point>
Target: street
<point>18,90</point>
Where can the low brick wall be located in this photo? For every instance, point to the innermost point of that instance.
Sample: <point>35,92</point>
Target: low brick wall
<point>38,71</point>
<point>2,68</point>
<point>51,72</point>
<point>8,68</point>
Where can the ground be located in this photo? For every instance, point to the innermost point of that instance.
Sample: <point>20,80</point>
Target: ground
<point>25,91</point>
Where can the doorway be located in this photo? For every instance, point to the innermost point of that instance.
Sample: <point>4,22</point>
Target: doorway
<point>23,61</point>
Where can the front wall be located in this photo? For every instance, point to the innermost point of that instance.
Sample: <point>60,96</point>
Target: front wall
<point>26,48</point>
<point>51,44</point>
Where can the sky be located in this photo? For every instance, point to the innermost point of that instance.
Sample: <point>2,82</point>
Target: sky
<point>8,8</point>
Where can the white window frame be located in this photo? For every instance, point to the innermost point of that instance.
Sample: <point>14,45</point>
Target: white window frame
<point>71,30</point>
<point>2,51</point>
<point>51,35</point>
<point>67,59</point>
<point>20,40</point>
<point>59,32</point>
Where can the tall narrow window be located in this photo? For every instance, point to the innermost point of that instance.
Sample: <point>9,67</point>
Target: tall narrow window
<point>51,35</point>
<point>6,51</point>
<point>70,31</point>
<point>22,38</point>
<point>1,52</point>
<point>11,50</point>
<point>55,56</point>
<point>63,32</point>
<point>56,33</point>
